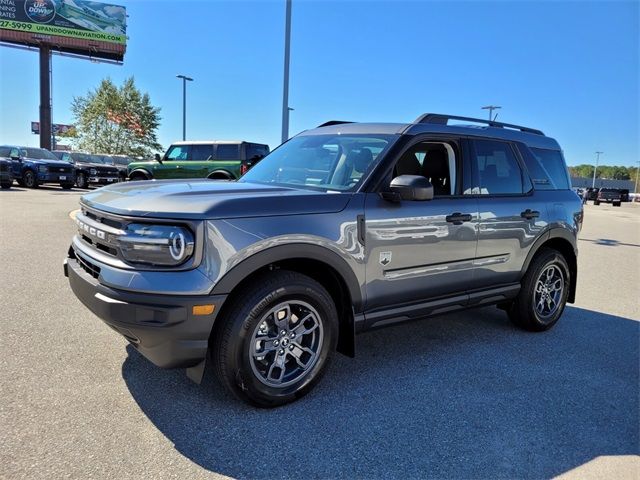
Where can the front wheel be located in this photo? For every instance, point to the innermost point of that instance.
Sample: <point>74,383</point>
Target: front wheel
<point>29,179</point>
<point>276,340</point>
<point>66,186</point>
<point>544,292</point>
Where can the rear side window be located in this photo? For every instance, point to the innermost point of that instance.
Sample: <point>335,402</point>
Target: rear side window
<point>5,151</point>
<point>255,150</point>
<point>201,152</point>
<point>228,152</point>
<point>497,169</point>
<point>554,167</point>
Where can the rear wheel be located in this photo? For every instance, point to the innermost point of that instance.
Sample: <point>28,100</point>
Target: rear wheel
<point>6,185</point>
<point>276,340</point>
<point>29,179</point>
<point>544,292</point>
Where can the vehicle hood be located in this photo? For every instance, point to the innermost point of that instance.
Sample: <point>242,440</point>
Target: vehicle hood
<point>210,199</point>
<point>45,161</point>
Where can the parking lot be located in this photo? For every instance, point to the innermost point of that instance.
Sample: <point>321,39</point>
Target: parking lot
<point>460,396</point>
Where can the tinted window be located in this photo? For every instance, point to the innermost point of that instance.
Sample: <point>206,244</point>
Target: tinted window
<point>553,164</point>
<point>255,150</point>
<point>497,168</point>
<point>5,151</point>
<point>178,153</point>
<point>201,152</point>
<point>228,152</point>
<point>81,157</point>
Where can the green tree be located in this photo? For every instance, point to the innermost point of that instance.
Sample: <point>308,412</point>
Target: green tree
<point>116,120</point>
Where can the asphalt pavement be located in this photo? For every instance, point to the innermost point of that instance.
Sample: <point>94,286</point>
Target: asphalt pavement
<point>460,396</point>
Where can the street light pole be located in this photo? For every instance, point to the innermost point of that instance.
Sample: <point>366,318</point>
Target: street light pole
<point>593,183</point>
<point>635,189</point>
<point>491,108</point>
<point>285,88</point>
<point>184,104</point>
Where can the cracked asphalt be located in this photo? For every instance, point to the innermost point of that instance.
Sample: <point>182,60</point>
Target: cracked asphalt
<point>460,396</point>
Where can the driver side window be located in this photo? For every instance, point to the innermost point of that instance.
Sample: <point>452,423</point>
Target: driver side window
<point>178,153</point>
<point>436,161</point>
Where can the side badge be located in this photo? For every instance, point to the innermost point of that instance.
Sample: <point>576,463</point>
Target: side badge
<point>385,258</point>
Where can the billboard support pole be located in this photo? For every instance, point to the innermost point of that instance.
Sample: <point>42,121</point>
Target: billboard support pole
<point>45,97</point>
<point>285,93</point>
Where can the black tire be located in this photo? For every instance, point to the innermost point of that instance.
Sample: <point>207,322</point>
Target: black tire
<point>238,335</point>
<point>596,202</point>
<point>30,179</point>
<point>524,311</point>
<point>220,176</point>
<point>81,180</point>
<point>616,204</point>
<point>66,186</point>
<point>6,185</point>
<point>137,176</point>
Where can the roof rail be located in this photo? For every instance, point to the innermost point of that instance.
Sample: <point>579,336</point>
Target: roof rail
<point>333,122</point>
<point>443,119</point>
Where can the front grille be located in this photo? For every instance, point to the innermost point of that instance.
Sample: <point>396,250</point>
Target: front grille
<point>104,171</point>
<point>88,267</point>
<point>57,169</point>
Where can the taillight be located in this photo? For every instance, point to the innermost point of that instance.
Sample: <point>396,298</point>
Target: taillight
<point>244,168</point>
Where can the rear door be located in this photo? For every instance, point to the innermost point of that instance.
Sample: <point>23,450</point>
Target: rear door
<point>512,214</point>
<point>200,160</point>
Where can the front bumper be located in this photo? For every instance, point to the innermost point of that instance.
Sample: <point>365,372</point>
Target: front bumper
<point>56,177</point>
<point>103,180</point>
<point>161,327</point>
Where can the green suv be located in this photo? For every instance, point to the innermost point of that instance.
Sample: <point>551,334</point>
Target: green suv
<point>217,160</point>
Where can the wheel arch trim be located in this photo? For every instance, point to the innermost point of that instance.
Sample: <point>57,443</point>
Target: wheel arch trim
<point>143,171</point>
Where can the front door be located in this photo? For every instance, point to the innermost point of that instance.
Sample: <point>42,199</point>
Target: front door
<point>174,164</point>
<point>421,250</point>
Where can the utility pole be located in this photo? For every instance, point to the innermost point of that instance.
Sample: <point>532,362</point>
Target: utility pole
<point>491,108</point>
<point>184,104</point>
<point>285,88</point>
<point>593,183</point>
<point>635,189</point>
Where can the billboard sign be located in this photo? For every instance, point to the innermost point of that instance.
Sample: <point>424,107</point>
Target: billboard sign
<point>82,27</point>
<point>58,128</point>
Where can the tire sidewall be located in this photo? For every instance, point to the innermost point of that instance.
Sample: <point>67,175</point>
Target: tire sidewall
<point>239,353</point>
<point>30,174</point>
<point>81,180</point>
<point>551,258</point>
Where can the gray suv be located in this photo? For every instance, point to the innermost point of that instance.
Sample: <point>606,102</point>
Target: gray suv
<point>344,228</point>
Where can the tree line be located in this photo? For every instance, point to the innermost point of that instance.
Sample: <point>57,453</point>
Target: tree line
<point>604,171</point>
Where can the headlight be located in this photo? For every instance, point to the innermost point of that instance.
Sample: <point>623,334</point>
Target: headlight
<point>93,171</point>
<point>156,244</point>
<point>43,168</point>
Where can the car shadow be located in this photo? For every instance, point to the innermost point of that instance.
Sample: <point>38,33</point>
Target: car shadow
<point>460,396</point>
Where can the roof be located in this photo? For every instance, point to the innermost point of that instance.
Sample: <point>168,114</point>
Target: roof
<point>212,142</point>
<point>437,124</point>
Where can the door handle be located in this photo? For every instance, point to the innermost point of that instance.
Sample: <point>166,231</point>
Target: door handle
<point>529,214</point>
<point>457,218</point>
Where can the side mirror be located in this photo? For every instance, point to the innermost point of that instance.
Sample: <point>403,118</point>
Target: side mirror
<point>412,187</point>
<point>157,157</point>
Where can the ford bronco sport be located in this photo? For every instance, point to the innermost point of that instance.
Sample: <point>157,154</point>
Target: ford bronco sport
<point>343,228</point>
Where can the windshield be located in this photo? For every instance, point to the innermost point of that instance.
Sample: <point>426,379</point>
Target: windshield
<point>328,162</point>
<point>39,153</point>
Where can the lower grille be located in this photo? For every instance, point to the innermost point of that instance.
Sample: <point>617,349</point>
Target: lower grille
<point>88,267</point>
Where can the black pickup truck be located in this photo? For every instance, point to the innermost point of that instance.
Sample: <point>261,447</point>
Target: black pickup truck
<point>609,195</point>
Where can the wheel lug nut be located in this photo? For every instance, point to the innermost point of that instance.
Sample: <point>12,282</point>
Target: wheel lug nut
<point>283,333</point>
<point>281,351</point>
<point>290,347</point>
<point>276,343</point>
<point>292,335</point>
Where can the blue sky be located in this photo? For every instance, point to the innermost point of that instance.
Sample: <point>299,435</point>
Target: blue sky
<point>570,69</point>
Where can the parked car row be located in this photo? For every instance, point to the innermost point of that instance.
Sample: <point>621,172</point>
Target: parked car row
<point>213,159</point>
<point>615,196</point>
<point>32,167</point>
